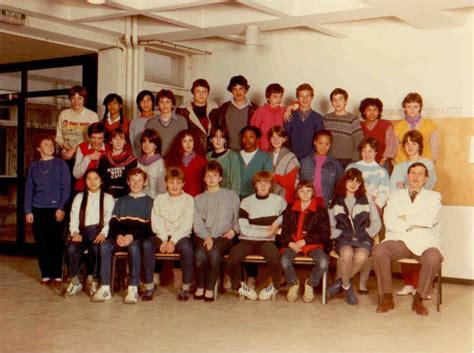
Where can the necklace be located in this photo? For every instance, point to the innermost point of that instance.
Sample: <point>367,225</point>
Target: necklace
<point>47,169</point>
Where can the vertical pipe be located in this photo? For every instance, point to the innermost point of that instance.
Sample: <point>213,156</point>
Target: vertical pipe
<point>129,99</point>
<point>136,59</point>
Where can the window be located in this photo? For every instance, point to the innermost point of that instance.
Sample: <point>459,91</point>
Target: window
<point>164,68</point>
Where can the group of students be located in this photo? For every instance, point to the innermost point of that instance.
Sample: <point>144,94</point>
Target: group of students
<point>236,179</point>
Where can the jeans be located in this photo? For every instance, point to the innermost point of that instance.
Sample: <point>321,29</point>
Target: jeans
<point>184,247</point>
<point>321,264</point>
<point>76,249</point>
<point>208,263</point>
<point>139,250</point>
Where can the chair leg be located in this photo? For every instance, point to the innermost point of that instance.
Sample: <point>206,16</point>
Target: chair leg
<point>324,294</point>
<point>112,274</point>
<point>439,296</point>
<point>216,289</point>
<point>61,288</point>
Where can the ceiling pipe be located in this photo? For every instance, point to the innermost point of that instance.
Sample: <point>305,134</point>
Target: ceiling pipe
<point>251,36</point>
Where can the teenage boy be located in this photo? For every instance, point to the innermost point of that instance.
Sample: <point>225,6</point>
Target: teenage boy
<point>304,123</point>
<point>88,154</point>
<point>172,221</point>
<point>270,114</point>
<point>216,222</point>
<point>130,230</point>
<point>345,128</point>
<point>260,216</point>
<point>236,113</point>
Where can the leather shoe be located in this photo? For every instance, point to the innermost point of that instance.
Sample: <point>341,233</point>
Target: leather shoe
<point>418,306</point>
<point>148,295</point>
<point>386,303</point>
<point>198,297</point>
<point>209,299</point>
<point>363,291</point>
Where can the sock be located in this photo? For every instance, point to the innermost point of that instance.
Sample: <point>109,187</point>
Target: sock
<point>209,293</point>
<point>149,286</point>
<point>75,280</point>
<point>362,286</point>
<point>346,287</point>
<point>132,289</point>
<point>106,287</point>
<point>199,292</point>
<point>185,286</point>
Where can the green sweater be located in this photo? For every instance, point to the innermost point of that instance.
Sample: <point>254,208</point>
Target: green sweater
<point>230,162</point>
<point>260,161</point>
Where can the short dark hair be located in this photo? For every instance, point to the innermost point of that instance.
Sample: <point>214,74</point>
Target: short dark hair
<point>174,173</point>
<point>166,93</point>
<point>414,136</point>
<point>304,87</point>
<point>367,102</point>
<point>304,184</point>
<point>238,80</point>
<point>215,129</point>
<point>413,97</point>
<point>418,164</point>
<point>372,142</point>
<point>350,174</point>
<point>252,128</point>
<point>142,95</point>
<point>152,136</point>
<point>42,137</point>
<point>340,91</point>
<point>95,128</point>
<point>322,132</point>
<point>78,90</point>
<point>118,131</point>
<point>273,88</point>
<point>280,131</point>
<point>200,82</point>
<point>214,167</point>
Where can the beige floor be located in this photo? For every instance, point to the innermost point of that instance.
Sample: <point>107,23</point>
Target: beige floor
<point>35,319</point>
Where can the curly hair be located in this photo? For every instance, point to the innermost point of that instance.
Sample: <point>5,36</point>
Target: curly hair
<point>175,154</point>
<point>368,102</point>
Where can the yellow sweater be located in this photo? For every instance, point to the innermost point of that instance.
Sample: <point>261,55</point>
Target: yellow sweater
<point>426,127</point>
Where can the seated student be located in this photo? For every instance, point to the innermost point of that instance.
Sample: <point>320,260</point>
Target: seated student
<point>167,123</point>
<point>252,159</point>
<point>259,220</point>
<point>322,170</point>
<point>187,153</point>
<point>382,130</point>
<point>146,104</point>
<point>47,191</point>
<point>305,230</point>
<point>172,221</point>
<point>152,163</point>
<point>270,114</point>
<point>130,230</point>
<point>113,116</point>
<point>345,128</point>
<point>412,219</point>
<point>89,226</point>
<point>236,114</point>
<point>227,158</point>
<point>216,222</point>
<point>115,164</point>
<point>88,154</point>
<point>285,164</point>
<point>304,122</point>
<point>354,223</point>
<point>201,113</point>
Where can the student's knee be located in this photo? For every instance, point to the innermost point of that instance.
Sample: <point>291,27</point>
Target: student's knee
<point>431,257</point>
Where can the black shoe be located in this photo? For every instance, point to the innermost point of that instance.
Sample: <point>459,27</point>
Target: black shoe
<point>198,297</point>
<point>148,295</point>
<point>363,291</point>
<point>209,299</point>
<point>183,295</point>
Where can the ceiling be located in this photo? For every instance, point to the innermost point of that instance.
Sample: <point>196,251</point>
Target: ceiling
<point>75,26</point>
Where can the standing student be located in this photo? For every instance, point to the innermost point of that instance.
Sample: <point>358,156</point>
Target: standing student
<point>172,221</point>
<point>89,226</point>
<point>305,230</point>
<point>354,223</point>
<point>115,164</point>
<point>187,153</point>
<point>236,114</point>
<point>130,230</point>
<point>152,163</point>
<point>71,129</point>
<point>146,104</point>
<point>47,191</point>
<point>166,122</point>
<point>113,116</point>
<point>216,222</point>
<point>227,158</point>
<point>345,128</point>
<point>270,114</point>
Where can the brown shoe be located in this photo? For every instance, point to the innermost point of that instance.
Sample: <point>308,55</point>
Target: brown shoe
<point>386,303</point>
<point>418,306</point>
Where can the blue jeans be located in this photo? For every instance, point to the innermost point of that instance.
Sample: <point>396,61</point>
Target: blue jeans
<point>76,249</point>
<point>184,247</point>
<point>321,264</point>
<point>139,250</point>
<point>208,263</point>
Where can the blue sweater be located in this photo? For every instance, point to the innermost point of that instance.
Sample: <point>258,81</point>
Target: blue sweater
<point>301,132</point>
<point>48,185</point>
<point>132,215</point>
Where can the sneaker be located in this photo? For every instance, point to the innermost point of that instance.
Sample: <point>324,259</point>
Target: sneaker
<point>251,282</point>
<point>336,288</point>
<point>94,287</point>
<point>292,294</point>
<point>72,289</point>
<point>268,293</point>
<point>350,296</point>
<point>246,292</point>
<point>156,280</point>
<point>102,295</point>
<point>308,295</point>
<point>407,290</point>
<point>132,295</point>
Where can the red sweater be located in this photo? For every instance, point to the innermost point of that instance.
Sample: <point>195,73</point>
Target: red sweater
<point>265,118</point>
<point>193,175</point>
<point>378,132</point>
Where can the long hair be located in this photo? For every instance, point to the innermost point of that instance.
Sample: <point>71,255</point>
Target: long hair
<point>110,98</point>
<point>85,196</point>
<point>175,154</point>
<point>351,174</point>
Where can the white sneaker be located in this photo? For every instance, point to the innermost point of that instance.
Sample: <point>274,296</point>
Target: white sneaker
<point>406,290</point>
<point>251,282</point>
<point>246,292</point>
<point>308,295</point>
<point>102,295</point>
<point>132,295</point>
<point>72,289</point>
<point>268,293</point>
<point>94,286</point>
<point>292,294</point>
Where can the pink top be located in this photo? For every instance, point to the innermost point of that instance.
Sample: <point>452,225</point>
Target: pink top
<point>318,187</point>
<point>265,118</point>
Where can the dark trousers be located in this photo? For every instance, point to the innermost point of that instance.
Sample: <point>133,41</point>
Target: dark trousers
<point>267,249</point>
<point>76,249</point>
<point>48,235</point>
<point>208,263</point>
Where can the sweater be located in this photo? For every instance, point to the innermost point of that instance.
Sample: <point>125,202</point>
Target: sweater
<point>260,161</point>
<point>385,135</point>
<point>83,163</point>
<point>301,132</point>
<point>376,180</point>
<point>92,215</point>
<point>265,118</point>
<point>156,172</point>
<point>346,135</point>
<point>215,213</point>
<point>48,185</point>
<point>256,214</point>
<point>132,215</point>
<point>110,127</point>
<point>172,216</point>
<point>400,175</point>
<point>137,126</point>
<point>114,171</point>
<point>285,176</point>
<point>193,175</point>
<point>72,127</point>
<point>230,163</point>
<point>430,139</point>
<point>167,133</point>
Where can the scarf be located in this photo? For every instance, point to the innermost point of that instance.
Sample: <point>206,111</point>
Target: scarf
<point>146,161</point>
<point>188,158</point>
<point>413,121</point>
